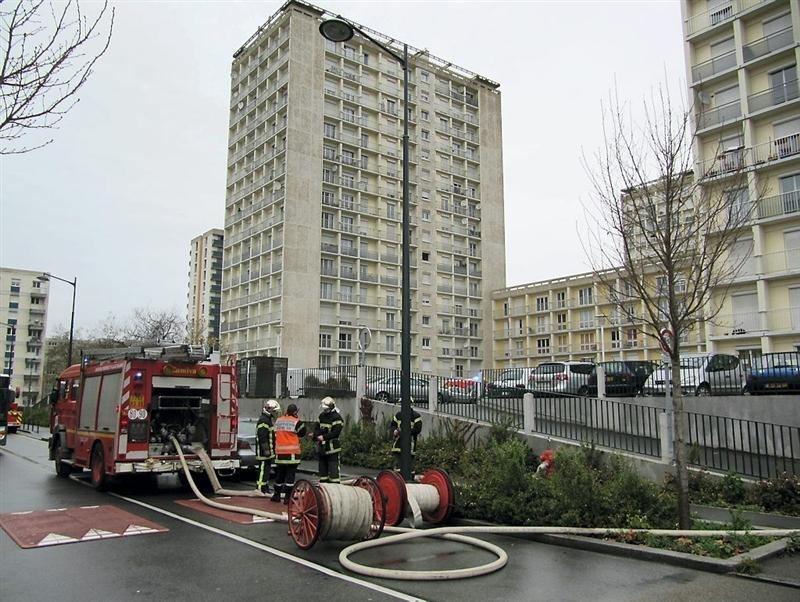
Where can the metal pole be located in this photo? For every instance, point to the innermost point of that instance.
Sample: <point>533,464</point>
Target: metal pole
<point>74,284</point>
<point>405,345</point>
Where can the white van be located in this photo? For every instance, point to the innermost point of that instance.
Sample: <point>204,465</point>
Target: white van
<point>702,374</point>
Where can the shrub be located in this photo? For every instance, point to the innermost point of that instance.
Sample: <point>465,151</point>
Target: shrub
<point>781,494</point>
<point>366,444</point>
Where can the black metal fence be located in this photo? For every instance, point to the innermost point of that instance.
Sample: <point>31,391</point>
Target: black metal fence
<point>337,381</point>
<point>384,384</point>
<point>609,423</point>
<point>464,398</point>
<point>746,447</point>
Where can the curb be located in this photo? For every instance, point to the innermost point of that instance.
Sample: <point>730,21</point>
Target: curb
<point>682,559</point>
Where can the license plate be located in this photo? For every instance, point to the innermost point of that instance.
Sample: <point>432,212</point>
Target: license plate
<point>777,385</point>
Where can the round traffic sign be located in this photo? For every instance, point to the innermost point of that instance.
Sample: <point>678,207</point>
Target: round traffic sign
<point>666,340</point>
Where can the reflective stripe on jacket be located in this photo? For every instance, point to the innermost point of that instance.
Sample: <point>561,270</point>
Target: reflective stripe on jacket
<point>416,429</point>
<point>286,439</point>
<point>265,438</point>
<point>329,426</point>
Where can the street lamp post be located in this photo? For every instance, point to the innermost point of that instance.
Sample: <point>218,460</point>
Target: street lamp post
<point>341,30</point>
<point>74,284</point>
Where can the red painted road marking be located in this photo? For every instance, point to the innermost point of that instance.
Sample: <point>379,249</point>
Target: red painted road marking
<point>255,503</point>
<point>55,526</point>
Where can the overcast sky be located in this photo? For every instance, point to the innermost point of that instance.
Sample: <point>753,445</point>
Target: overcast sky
<point>138,169</point>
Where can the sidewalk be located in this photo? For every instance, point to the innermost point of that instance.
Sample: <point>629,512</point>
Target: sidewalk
<point>310,467</point>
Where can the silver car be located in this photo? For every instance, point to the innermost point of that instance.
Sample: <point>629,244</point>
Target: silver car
<point>703,374</point>
<point>388,389</point>
<point>561,378</point>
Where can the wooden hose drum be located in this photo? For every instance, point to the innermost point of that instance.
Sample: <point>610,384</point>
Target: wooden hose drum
<point>328,511</point>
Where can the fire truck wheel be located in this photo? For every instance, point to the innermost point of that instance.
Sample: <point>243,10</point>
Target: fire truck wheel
<point>98,467</point>
<point>12,430</point>
<point>200,479</point>
<point>62,470</point>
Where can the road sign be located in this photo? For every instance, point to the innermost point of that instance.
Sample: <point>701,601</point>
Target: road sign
<point>666,341</point>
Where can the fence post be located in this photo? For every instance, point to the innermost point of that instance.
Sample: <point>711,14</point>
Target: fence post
<point>601,381</point>
<point>433,393</point>
<point>528,413</point>
<point>666,435</point>
<point>361,382</point>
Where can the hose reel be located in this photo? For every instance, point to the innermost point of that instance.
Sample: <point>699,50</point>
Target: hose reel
<point>335,511</point>
<point>431,499</point>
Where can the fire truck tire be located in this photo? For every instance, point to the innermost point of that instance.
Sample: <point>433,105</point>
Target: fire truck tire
<point>12,430</point>
<point>98,467</point>
<point>62,470</point>
<point>200,479</point>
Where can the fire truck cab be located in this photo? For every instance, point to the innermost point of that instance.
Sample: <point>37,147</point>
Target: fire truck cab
<point>118,415</point>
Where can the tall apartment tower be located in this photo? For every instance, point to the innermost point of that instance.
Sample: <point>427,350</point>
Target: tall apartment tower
<point>741,58</point>
<point>314,201</point>
<point>23,316</point>
<point>205,288</point>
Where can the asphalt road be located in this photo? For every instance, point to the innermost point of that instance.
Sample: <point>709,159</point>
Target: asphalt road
<point>204,558</point>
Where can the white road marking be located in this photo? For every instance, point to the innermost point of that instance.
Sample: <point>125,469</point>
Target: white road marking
<point>273,551</point>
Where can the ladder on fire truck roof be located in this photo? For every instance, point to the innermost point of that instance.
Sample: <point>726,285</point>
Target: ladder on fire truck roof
<point>149,351</point>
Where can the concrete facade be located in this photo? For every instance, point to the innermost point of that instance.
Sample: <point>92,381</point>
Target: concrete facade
<point>314,203</point>
<point>741,65</point>
<point>205,288</point>
<point>23,318</point>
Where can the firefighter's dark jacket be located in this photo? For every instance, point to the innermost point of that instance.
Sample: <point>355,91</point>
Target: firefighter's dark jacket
<point>416,429</point>
<point>265,437</point>
<point>330,427</point>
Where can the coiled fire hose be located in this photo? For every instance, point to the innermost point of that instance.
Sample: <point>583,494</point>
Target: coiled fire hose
<point>351,514</point>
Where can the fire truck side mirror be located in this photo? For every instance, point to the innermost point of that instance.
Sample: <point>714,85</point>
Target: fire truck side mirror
<point>53,397</point>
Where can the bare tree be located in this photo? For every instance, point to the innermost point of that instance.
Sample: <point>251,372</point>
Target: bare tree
<point>48,55</point>
<point>161,326</point>
<point>661,232</point>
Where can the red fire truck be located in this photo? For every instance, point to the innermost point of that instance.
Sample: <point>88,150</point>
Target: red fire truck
<point>119,414</point>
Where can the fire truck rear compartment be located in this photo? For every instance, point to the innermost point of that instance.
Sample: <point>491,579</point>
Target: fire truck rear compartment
<point>183,413</point>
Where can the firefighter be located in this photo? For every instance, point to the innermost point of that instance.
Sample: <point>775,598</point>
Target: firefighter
<point>416,429</point>
<point>288,430</point>
<point>265,443</point>
<point>326,434</point>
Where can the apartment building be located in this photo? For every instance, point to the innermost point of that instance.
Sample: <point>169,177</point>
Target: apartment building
<point>23,316</point>
<point>203,299</point>
<point>314,201</point>
<point>741,63</point>
<point>574,318</point>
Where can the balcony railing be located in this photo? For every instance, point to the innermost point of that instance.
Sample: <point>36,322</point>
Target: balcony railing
<point>784,319</point>
<point>767,44</point>
<point>774,96</point>
<point>722,114</point>
<point>777,149</point>
<point>721,13</point>
<point>716,65</point>
<point>735,324</point>
<point>782,261</point>
<point>781,204</point>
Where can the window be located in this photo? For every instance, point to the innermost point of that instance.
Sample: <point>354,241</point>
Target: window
<point>561,321</point>
<point>389,342</point>
<point>426,321</point>
<point>585,296</point>
<point>424,75</point>
<point>327,219</point>
<point>423,95</point>
<point>390,320</point>
<point>330,130</point>
<point>324,360</point>
<point>426,343</point>
<point>586,319</point>
<point>13,305</point>
<point>587,342</point>
<point>426,299</point>
<point>325,341</point>
<point>425,134</point>
<point>426,256</point>
<point>326,290</point>
<point>784,84</point>
<point>424,115</point>
<point>426,215</point>
<point>561,300</point>
<point>345,340</point>
<point>543,346</point>
<point>615,340</point>
<point>541,303</point>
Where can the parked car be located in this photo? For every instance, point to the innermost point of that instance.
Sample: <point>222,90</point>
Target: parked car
<point>619,377</point>
<point>702,374</point>
<point>388,389</point>
<point>511,382</point>
<point>459,390</point>
<point>775,373</point>
<point>642,369</point>
<point>560,378</point>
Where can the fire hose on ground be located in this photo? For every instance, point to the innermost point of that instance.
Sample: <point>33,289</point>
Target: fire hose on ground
<point>364,508</point>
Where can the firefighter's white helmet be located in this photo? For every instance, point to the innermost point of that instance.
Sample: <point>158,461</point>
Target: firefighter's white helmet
<point>327,404</point>
<point>272,407</point>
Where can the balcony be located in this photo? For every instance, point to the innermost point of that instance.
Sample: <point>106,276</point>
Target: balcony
<point>721,13</point>
<point>773,97</point>
<point>718,64</point>
<point>728,162</point>
<point>768,44</point>
<point>781,204</point>
<point>738,324</point>
<point>778,149</point>
<point>783,320</point>
<point>718,115</point>
<point>778,262</point>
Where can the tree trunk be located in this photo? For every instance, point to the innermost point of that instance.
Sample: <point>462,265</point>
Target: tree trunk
<point>681,468</point>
